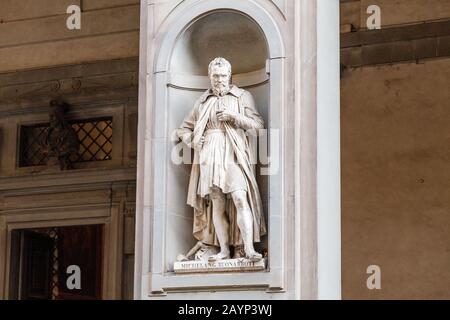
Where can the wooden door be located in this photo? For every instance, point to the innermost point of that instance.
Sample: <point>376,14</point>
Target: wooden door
<point>39,263</point>
<point>36,266</point>
<point>81,246</point>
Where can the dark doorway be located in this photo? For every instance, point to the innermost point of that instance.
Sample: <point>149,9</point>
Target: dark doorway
<point>63,263</point>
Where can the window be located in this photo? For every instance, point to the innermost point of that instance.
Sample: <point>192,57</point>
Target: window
<point>94,136</point>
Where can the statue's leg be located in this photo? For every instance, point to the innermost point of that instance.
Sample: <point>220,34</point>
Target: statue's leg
<point>221,224</point>
<point>245,224</point>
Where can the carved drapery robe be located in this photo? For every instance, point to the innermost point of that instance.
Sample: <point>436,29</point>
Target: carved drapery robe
<point>224,161</point>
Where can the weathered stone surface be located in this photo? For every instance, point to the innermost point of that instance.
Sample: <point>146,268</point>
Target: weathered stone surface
<point>104,47</point>
<point>406,11</point>
<point>399,44</point>
<point>13,10</point>
<point>399,33</point>
<point>101,4</point>
<point>350,13</point>
<point>54,28</point>
<point>396,180</point>
<point>33,34</point>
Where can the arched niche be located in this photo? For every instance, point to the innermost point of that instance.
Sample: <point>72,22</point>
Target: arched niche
<point>240,40</point>
<point>231,35</point>
<point>178,78</point>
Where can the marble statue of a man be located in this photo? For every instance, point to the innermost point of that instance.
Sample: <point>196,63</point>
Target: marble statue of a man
<point>223,190</point>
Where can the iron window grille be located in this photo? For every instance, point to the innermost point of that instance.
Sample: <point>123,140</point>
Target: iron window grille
<point>94,136</point>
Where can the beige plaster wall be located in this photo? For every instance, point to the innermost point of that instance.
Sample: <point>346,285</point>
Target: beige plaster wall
<point>93,69</point>
<point>396,180</point>
<point>395,152</point>
<point>33,34</point>
<point>394,12</point>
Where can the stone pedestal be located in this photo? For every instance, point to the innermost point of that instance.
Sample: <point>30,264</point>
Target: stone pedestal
<point>228,265</point>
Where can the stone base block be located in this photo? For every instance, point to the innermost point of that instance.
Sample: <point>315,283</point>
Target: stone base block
<point>228,265</point>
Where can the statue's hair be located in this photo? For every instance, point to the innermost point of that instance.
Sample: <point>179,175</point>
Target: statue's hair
<point>219,62</point>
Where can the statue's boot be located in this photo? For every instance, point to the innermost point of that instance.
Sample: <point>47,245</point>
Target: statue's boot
<point>254,256</point>
<point>219,256</point>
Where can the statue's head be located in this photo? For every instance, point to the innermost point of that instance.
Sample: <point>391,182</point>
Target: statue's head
<point>219,71</point>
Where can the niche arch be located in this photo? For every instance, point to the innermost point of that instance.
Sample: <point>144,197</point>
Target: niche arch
<point>179,78</point>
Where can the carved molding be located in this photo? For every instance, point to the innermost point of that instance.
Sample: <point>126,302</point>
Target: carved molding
<point>281,5</point>
<point>60,179</point>
<point>29,91</point>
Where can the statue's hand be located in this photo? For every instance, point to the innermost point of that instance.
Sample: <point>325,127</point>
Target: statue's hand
<point>199,145</point>
<point>226,115</point>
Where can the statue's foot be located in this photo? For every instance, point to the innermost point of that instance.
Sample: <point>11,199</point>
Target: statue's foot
<point>219,256</point>
<point>254,256</point>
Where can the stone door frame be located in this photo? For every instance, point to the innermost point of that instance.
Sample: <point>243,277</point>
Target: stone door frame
<point>60,217</point>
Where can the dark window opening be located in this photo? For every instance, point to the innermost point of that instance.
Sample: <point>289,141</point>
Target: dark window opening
<point>94,135</point>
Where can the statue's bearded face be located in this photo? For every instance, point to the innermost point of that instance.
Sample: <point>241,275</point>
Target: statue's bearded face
<point>220,79</point>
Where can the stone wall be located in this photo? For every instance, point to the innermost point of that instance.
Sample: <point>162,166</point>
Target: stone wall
<point>95,70</point>
<point>34,34</point>
<point>97,192</point>
<point>395,177</point>
<point>395,156</point>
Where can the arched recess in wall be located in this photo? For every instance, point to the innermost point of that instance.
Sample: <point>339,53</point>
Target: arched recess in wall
<point>225,34</point>
<point>250,39</point>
